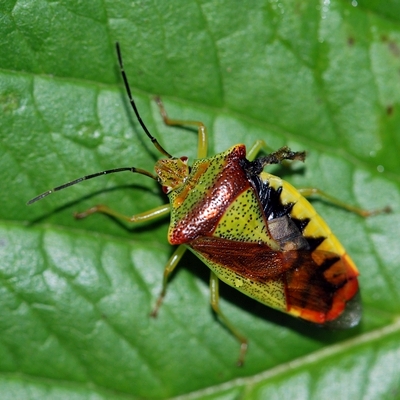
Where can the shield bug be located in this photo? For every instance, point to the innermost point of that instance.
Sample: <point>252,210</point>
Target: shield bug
<point>256,232</point>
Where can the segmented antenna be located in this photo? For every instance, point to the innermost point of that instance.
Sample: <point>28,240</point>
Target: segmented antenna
<point>87,177</point>
<point>111,171</point>
<point>128,91</point>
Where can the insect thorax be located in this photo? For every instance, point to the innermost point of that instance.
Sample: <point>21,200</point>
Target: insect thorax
<point>218,200</point>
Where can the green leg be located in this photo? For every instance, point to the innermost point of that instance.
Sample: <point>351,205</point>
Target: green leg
<point>169,268</point>
<point>143,217</point>
<point>307,192</point>
<point>214,292</point>
<point>149,215</point>
<point>255,149</point>
<point>279,156</point>
<point>202,131</point>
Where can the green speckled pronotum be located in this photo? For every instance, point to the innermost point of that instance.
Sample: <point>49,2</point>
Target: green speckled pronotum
<point>256,232</point>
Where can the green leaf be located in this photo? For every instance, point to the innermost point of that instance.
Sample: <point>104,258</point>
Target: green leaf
<point>75,296</point>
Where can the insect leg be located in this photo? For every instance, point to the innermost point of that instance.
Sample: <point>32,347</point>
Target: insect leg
<point>307,192</point>
<point>169,268</point>
<point>202,131</point>
<point>281,155</point>
<point>149,215</point>
<point>255,149</point>
<point>214,293</point>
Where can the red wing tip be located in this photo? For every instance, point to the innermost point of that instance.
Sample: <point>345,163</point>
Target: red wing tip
<point>350,317</point>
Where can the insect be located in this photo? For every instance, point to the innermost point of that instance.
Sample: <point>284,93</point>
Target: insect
<point>255,232</point>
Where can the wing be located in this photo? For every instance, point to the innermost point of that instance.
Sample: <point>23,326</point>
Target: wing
<point>313,285</point>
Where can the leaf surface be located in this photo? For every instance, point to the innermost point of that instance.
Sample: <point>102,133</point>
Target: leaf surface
<point>75,296</point>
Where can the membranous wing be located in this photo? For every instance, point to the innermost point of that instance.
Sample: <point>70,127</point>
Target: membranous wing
<point>315,286</point>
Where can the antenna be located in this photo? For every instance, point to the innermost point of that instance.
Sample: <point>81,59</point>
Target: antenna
<point>87,177</point>
<point>114,170</point>
<point>128,91</point>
